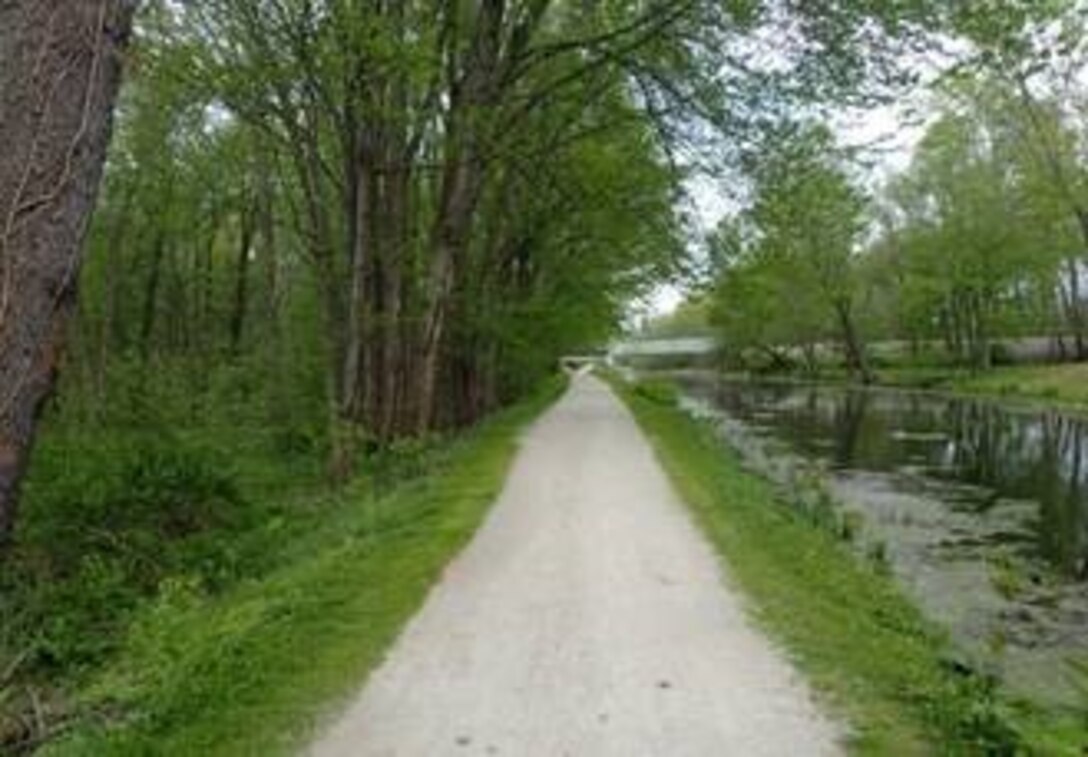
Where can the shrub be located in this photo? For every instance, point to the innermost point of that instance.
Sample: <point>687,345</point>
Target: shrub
<point>296,441</point>
<point>125,498</point>
<point>105,523</point>
<point>399,461</point>
<point>175,491</point>
<point>974,714</point>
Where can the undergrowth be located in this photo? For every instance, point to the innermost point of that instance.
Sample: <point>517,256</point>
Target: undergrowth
<point>162,567</point>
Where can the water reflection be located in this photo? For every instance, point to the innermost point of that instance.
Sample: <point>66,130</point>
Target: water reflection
<point>926,440</point>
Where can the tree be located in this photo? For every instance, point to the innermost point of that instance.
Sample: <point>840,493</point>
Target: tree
<point>751,284</point>
<point>810,219</point>
<point>967,253</point>
<point>1026,80</point>
<point>60,70</point>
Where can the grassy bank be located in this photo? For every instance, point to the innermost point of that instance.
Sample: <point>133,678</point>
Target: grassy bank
<point>858,639</point>
<point>1064,384</point>
<point>1051,384</point>
<point>251,669</point>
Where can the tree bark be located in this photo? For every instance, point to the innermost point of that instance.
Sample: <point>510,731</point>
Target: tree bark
<point>60,70</point>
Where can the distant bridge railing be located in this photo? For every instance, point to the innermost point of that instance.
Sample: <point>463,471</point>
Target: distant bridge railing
<point>665,352</point>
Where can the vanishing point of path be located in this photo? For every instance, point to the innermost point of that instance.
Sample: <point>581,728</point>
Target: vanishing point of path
<point>587,617</point>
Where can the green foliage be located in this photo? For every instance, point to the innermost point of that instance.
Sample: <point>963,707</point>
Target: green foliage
<point>251,669</point>
<point>244,314</point>
<point>108,519</point>
<point>150,487</point>
<point>1007,576</point>
<point>796,244</point>
<point>691,317</point>
<point>976,720</point>
<point>1062,384</point>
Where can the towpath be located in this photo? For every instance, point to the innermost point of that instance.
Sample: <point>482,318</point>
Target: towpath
<point>588,617</point>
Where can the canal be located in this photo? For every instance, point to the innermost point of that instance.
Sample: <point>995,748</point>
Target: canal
<point>980,509</point>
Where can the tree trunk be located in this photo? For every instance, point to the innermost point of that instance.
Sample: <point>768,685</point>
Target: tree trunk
<point>241,284</point>
<point>857,362</point>
<point>1075,308</point>
<point>463,181</point>
<point>979,335</point>
<point>60,70</point>
<point>464,174</point>
<point>151,293</point>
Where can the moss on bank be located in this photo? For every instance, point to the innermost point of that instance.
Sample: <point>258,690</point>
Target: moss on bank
<point>860,641</point>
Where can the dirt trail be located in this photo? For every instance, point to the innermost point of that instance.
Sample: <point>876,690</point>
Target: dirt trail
<point>588,617</point>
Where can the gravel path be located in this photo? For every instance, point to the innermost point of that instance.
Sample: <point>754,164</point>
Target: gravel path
<point>587,617</point>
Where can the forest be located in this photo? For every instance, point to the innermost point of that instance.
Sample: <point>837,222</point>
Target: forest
<point>264,260</point>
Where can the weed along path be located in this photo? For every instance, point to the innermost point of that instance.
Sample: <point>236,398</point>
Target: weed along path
<point>587,617</point>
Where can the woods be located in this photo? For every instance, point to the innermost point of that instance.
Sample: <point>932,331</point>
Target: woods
<point>390,160</point>
<point>318,243</point>
<point>328,236</point>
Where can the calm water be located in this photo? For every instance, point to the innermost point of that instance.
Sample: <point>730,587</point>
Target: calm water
<point>983,509</point>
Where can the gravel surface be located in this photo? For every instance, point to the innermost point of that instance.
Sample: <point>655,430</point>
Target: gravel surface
<point>587,617</point>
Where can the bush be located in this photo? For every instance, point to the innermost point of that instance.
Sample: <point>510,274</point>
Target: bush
<point>399,461</point>
<point>105,523</point>
<point>175,492</point>
<point>125,498</point>
<point>295,441</point>
<point>974,713</point>
<point>74,618</point>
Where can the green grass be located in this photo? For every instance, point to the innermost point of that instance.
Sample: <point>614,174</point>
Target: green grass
<point>251,671</point>
<point>1052,384</point>
<point>859,640</point>
<point>1062,384</point>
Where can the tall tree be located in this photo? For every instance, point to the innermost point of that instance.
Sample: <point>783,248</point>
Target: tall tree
<point>964,232</point>
<point>60,70</point>
<point>810,216</point>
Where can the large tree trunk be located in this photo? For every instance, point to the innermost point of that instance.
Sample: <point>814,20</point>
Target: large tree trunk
<point>464,174</point>
<point>462,183</point>
<point>60,69</point>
